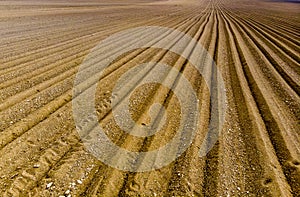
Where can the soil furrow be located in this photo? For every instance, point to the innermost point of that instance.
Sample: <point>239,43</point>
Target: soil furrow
<point>283,148</point>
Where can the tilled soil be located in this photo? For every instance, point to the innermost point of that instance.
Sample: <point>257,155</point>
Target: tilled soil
<point>255,45</point>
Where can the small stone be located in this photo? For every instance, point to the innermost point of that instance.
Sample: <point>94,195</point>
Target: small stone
<point>67,192</point>
<point>239,188</point>
<point>49,185</point>
<point>36,165</point>
<point>79,181</point>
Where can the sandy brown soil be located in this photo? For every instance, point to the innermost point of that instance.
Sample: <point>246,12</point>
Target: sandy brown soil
<point>256,45</point>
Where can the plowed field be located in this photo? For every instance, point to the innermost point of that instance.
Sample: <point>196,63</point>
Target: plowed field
<point>255,46</point>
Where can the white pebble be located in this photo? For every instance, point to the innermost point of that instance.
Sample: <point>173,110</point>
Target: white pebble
<point>49,184</point>
<point>36,165</point>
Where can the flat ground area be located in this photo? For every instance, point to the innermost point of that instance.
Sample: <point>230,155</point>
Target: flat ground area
<point>255,45</point>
